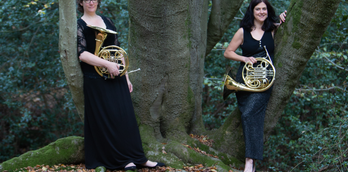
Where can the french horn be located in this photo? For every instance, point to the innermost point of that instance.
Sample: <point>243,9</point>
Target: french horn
<point>258,77</point>
<point>110,53</point>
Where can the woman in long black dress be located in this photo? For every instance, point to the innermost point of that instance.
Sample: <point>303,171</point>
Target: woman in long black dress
<point>112,136</point>
<point>256,31</point>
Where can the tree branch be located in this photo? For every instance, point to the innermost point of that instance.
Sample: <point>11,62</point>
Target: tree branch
<point>335,64</point>
<point>325,89</point>
<point>222,14</point>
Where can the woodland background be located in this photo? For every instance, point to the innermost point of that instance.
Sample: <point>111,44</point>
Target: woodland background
<point>36,107</point>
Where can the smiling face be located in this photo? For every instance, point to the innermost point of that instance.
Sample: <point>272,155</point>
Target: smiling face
<point>89,6</point>
<point>260,12</point>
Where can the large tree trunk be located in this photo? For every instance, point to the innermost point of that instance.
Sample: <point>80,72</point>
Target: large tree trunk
<point>68,54</point>
<point>295,41</point>
<point>167,40</point>
<point>159,41</point>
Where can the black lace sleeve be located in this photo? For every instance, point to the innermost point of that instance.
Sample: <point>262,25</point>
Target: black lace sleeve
<point>81,40</point>
<point>113,28</point>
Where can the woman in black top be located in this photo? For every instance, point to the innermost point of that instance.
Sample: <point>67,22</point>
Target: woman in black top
<point>256,31</point>
<point>112,136</point>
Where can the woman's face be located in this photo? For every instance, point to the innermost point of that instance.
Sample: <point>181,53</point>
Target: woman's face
<point>260,12</point>
<point>89,5</point>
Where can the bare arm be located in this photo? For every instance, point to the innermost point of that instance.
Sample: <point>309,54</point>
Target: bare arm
<point>93,60</point>
<point>282,17</point>
<point>230,52</point>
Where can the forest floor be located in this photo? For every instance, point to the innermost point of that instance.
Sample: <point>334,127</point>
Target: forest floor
<point>82,168</point>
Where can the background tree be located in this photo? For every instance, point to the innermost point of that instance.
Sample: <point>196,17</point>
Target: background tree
<point>67,40</point>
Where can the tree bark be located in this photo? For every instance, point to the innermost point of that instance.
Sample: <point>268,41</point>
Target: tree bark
<point>295,42</point>
<point>158,44</point>
<point>68,54</point>
<point>222,14</point>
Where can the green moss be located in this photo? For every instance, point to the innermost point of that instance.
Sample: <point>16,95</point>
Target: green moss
<point>188,25</point>
<point>225,158</point>
<point>296,13</point>
<point>228,159</point>
<point>63,151</point>
<point>296,45</point>
<point>190,98</point>
<point>156,151</point>
<point>192,157</point>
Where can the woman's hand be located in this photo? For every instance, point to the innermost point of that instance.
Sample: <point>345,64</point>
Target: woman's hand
<point>130,86</point>
<point>282,17</point>
<point>251,60</point>
<point>113,69</point>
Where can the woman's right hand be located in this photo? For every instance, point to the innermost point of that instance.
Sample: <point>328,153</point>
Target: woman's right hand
<point>113,69</point>
<point>251,60</point>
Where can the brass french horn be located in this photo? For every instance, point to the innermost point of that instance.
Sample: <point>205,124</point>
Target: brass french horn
<point>111,53</point>
<point>257,77</point>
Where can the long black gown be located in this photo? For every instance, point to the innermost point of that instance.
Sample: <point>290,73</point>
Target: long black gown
<point>251,104</point>
<point>112,136</point>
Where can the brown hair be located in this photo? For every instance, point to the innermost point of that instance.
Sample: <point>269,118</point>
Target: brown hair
<point>80,7</point>
<point>248,20</point>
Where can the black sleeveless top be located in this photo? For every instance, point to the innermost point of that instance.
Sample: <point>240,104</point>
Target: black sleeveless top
<point>255,48</point>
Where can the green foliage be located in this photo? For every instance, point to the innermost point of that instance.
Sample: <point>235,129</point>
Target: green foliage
<point>117,10</point>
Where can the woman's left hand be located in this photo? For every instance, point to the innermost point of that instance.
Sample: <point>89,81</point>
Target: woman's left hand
<point>282,17</point>
<point>130,86</point>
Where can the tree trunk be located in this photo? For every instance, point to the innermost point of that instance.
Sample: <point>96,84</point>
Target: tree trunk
<point>159,41</point>
<point>222,14</point>
<point>68,54</point>
<point>295,41</point>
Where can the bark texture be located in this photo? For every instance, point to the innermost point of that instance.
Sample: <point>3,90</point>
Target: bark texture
<point>68,54</point>
<point>295,41</point>
<point>198,12</point>
<point>159,44</point>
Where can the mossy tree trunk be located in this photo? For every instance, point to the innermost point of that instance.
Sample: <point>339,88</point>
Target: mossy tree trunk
<point>296,41</point>
<point>168,41</point>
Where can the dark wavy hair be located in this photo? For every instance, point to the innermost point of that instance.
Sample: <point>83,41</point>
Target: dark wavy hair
<point>80,8</point>
<point>248,20</point>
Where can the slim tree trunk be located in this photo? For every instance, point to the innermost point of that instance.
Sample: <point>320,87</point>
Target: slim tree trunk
<point>68,54</point>
<point>222,14</point>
